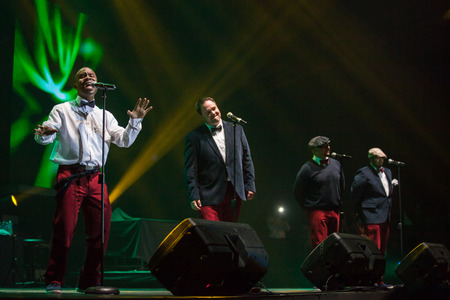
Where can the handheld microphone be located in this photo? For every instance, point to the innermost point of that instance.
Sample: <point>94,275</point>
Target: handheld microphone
<point>103,86</point>
<point>336,155</point>
<point>234,118</point>
<point>396,162</point>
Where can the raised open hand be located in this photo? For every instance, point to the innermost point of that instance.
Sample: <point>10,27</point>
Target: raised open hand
<point>140,109</point>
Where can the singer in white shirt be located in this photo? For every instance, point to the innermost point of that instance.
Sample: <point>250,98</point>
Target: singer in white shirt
<point>75,128</point>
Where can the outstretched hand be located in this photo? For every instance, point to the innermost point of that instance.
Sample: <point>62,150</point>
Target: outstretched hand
<point>44,130</point>
<point>140,109</point>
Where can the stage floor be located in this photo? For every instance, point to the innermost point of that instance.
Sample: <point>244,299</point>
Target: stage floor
<point>351,293</point>
<point>285,294</point>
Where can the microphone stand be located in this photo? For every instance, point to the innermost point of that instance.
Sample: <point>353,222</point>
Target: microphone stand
<point>400,222</point>
<point>233,201</point>
<point>341,192</point>
<point>102,289</point>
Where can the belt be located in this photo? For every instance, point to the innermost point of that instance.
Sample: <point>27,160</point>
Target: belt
<point>79,167</point>
<point>62,185</point>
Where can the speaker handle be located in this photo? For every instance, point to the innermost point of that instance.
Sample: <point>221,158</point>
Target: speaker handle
<point>237,247</point>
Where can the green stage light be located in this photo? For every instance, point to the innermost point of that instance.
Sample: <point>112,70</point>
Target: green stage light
<point>47,66</point>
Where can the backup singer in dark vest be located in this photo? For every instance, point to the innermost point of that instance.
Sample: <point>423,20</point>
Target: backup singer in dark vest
<point>317,189</point>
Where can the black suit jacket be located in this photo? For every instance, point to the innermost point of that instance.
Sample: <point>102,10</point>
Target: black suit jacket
<point>205,171</point>
<point>367,192</point>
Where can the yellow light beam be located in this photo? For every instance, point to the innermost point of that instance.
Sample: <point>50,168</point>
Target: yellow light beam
<point>221,81</point>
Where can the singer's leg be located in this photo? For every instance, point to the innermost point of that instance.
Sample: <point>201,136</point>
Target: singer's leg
<point>64,224</point>
<point>89,275</point>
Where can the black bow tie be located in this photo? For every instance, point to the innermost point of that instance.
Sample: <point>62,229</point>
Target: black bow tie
<point>88,103</point>
<point>214,129</point>
<point>324,162</point>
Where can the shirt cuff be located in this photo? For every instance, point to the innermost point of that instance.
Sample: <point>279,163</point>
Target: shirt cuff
<point>43,139</point>
<point>134,123</point>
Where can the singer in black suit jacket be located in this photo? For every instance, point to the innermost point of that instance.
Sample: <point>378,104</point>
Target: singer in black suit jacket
<point>211,179</point>
<point>371,192</point>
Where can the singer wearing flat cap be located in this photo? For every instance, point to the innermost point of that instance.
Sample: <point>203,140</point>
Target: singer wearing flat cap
<point>371,194</point>
<point>76,128</point>
<point>317,189</point>
<point>219,173</point>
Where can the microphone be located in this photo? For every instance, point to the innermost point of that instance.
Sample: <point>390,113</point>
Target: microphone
<point>103,86</point>
<point>234,118</point>
<point>396,162</point>
<point>336,155</point>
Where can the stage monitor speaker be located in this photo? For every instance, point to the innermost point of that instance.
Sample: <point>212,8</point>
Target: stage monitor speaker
<point>426,265</point>
<point>344,260</point>
<point>201,257</point>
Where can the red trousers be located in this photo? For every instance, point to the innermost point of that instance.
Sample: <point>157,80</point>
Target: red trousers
<point>322,223</point>
<point>84,193</point>
<point>228,210</point>
<point>379,233</point>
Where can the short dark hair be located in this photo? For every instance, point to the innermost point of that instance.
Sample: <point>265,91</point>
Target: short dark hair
<point>199,103</point>
<point>75,76</point>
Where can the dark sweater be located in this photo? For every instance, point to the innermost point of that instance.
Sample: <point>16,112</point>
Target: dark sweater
<point>319,187</point>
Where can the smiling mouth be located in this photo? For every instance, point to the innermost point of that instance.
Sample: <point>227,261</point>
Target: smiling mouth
<point>88,84</point>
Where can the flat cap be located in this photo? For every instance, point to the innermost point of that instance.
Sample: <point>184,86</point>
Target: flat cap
<point>376,152</point>
<point>318,141</point>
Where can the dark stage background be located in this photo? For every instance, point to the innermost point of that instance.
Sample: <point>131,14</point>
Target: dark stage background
<point>364,73</point>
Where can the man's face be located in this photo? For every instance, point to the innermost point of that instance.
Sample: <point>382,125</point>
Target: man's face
<point>377,161</point>
<point>322,152</point>
<point>211,113</point>
<point>82,80</point>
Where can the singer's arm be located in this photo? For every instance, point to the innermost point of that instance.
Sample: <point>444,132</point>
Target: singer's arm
<point>301,180</point>
<point>190,173</point>
<point>45,133</point>
<point>359,184</point>
<point>248,168</point>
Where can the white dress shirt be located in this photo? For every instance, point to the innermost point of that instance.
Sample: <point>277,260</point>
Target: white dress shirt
<point>219,138</point>
<point>384,181</point>
<point>79,136</point>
